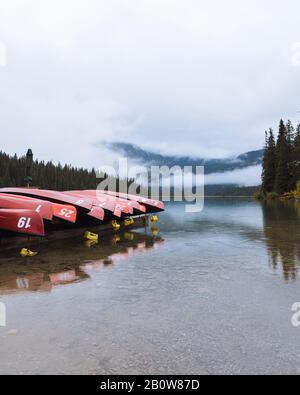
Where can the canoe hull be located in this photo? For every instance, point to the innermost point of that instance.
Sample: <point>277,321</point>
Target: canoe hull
<point>82,205</point>
<point>24,209</point>
<point>44,208</point>
<point>27,222</point>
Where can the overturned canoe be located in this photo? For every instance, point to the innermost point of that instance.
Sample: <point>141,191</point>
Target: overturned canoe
<point>81,208</point>
<point>44,208</point>
<point>106,204</point>
<point>22,221</point>
<point>83,205</point>
<point>117,206</point>
<point>150,204</point>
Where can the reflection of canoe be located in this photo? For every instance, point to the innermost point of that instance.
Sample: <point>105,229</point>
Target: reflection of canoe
<point>69,261</point>
<point>22,221</point>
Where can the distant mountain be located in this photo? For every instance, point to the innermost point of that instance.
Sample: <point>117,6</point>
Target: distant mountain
<point>230,190</point>
<point>150,158</point>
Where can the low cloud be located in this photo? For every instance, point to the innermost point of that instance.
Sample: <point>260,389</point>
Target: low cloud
<point>250,176</point>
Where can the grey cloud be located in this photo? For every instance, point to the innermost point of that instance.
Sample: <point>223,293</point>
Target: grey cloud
<point>187,77</point>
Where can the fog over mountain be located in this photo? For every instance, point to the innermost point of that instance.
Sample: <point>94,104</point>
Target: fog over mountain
<point>244,169</point>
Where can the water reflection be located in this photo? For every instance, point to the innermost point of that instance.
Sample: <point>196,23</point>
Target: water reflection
<point>282,235</point>
<point>69,261</point>
<point>244,223</point>
<point>232,224</point>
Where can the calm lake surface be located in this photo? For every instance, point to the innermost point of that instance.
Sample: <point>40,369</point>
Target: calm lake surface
<point>209,293</point>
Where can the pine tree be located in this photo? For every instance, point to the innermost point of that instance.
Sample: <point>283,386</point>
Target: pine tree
<point>269,163</point>
<point>291,155</point>
<point>297,155</point>
<point>282,160</point>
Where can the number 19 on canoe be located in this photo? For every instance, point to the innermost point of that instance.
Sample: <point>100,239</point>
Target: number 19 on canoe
<point>24,223</point>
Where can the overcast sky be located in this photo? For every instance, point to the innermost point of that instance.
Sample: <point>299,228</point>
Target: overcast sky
<point>181,76</point>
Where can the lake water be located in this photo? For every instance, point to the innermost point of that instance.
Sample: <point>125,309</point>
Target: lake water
<point>205,293</point>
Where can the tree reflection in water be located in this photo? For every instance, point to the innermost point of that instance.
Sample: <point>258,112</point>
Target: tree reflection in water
<point>282,235</point>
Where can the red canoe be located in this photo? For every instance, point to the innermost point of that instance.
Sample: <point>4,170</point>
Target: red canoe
<point>115,206</point>
<point>127,206</point>
<point>106,204</point>
<point>22,221</point>
<point>65,212</point>
<point>45,209</point>
<point>121,205</point>
<point>85,205</point>
<point>144,204</point>
<point>151,204</point>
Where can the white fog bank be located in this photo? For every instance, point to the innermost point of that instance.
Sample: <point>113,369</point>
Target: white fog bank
<point>249,176</point>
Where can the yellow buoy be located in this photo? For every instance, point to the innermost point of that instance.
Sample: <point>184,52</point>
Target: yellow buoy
<point>129,236</point>
<point>129,221</point>
<point>91,236</point>
<point>154,219</point>
<point>90,243</point>
<point>115,225</point>
<point>115,239</point>
<point>154,231</point>
<point>26,252</point>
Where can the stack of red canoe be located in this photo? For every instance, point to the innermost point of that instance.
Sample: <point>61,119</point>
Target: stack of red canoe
<point>24,210</point>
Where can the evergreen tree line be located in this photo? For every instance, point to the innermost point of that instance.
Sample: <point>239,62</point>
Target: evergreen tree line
<point>281,160</point>
<point>47,175</point>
